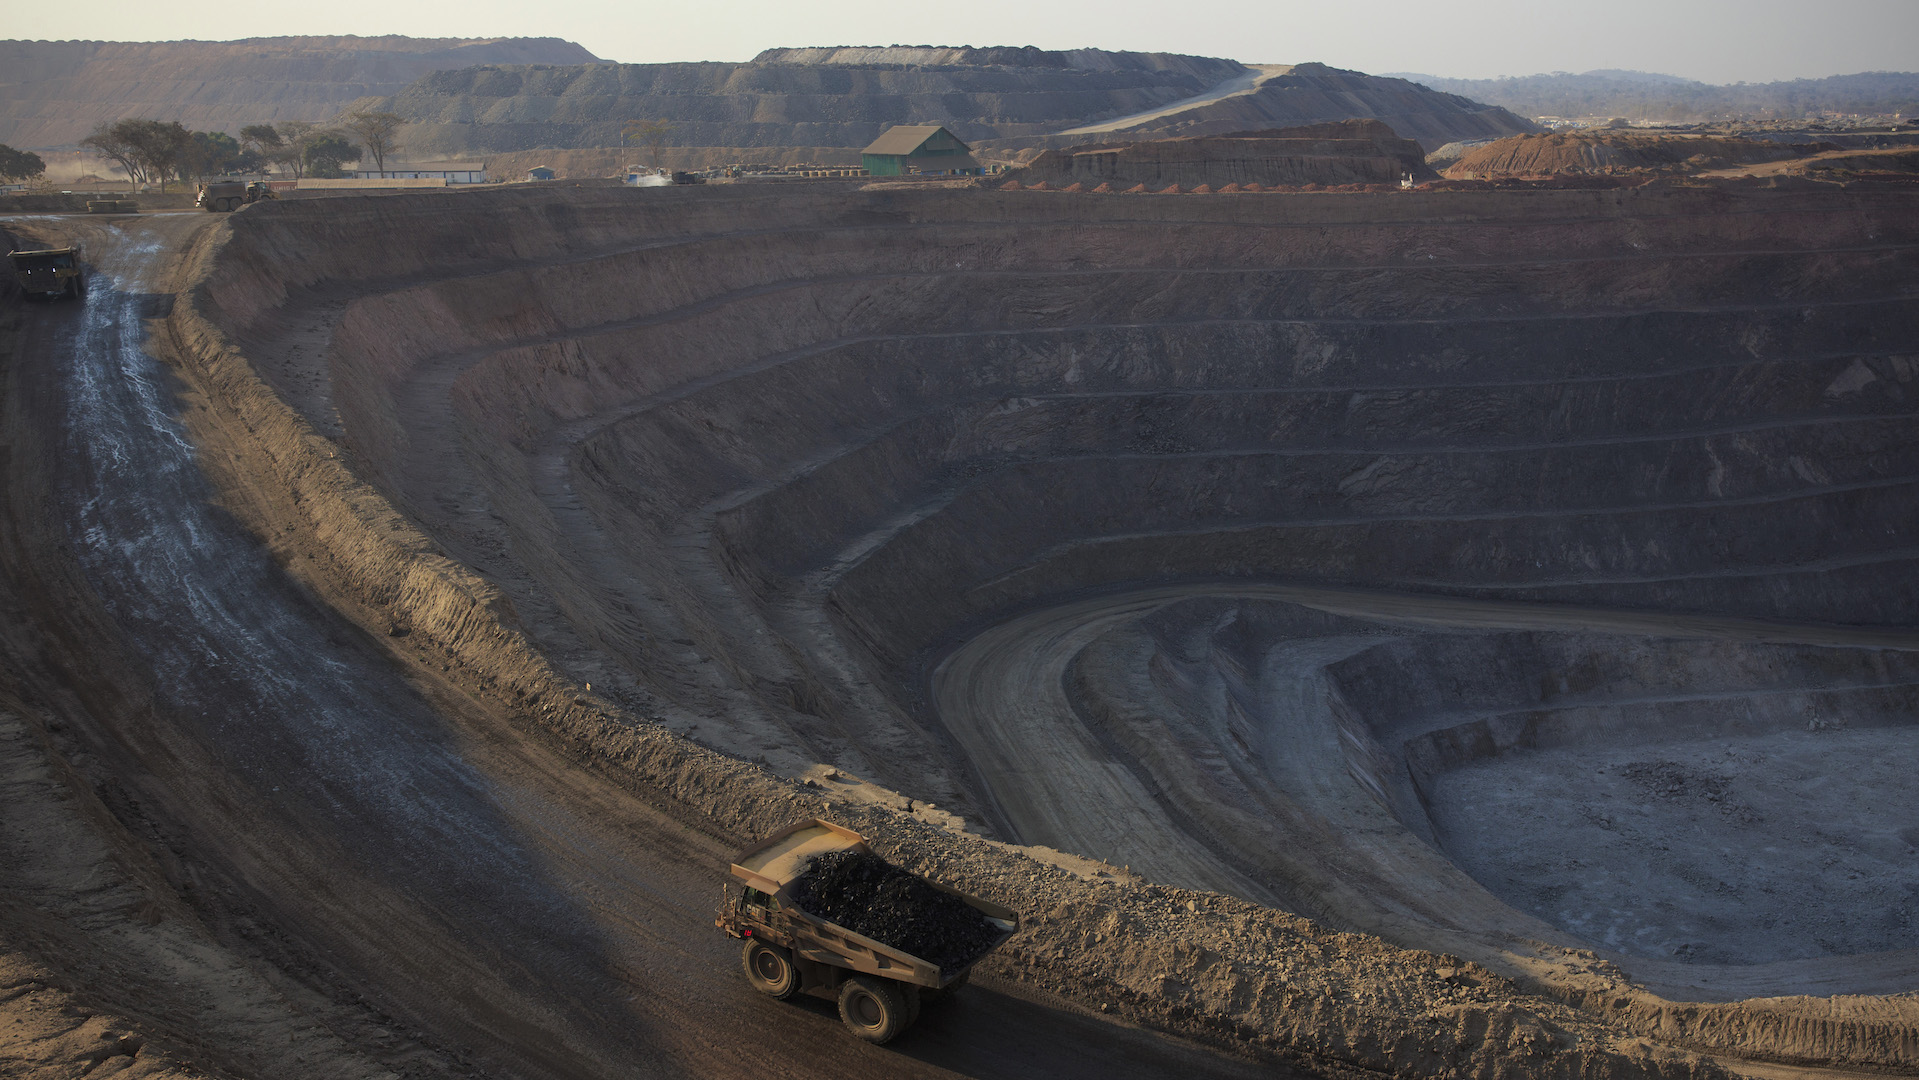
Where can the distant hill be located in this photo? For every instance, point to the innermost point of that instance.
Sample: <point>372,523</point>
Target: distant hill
<point>843,97</point>
<point>53,92</point>
<point>1638,95</point>
<point>780,102</point>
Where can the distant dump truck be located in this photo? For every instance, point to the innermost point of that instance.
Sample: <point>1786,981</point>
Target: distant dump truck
<point>822,914</point>
<point>50,272</point>
<point>226,197</point>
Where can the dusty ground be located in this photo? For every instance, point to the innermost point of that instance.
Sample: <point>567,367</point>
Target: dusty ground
<point>422,620</point>
<point>1621,151</point>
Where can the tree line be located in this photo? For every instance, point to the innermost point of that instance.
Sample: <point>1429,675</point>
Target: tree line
<point>18,165</point>
<point>155,151</point>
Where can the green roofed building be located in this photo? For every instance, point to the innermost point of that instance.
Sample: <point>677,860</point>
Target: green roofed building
<point>918,148</point>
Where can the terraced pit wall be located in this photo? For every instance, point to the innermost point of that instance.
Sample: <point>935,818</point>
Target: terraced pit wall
<point>755,459</point>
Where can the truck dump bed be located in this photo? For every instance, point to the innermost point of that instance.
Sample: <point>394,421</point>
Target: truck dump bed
<point>48,271</point>
<point>780,862</point>
<point>782,858</point>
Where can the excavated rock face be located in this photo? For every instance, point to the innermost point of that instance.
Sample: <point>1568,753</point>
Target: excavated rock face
<point>1006,98</point>
<point>58,90</point>
<point>1315,94</point>
<point>1352,152</point>
<point>1476,570</point>
<point>1207,68</point>
<point>774,103</point>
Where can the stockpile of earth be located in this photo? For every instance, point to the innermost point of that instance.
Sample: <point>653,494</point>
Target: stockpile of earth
<point>1002,100</point>
<point>1611,151</point>
<point>1305,94</point>
<point>1350,152</point>
<point>870,896</point>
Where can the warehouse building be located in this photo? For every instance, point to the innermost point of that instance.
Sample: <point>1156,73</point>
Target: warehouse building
<point>920,148</point>
<point>453,172</point>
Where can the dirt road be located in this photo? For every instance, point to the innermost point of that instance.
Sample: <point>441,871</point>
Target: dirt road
<point>441,891</point>
<point>1233,87</point>
<point>1057,776</point>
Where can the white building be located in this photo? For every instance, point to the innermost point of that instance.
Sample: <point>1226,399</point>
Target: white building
<point>453,172</point>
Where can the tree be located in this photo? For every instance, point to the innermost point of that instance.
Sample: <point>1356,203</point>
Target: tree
<point>214,153</point>
<point>146,150</point>
<point>261,139</point>
<point>651,133</point>
<point>375,131</point>
<point>325,151</point>
<point>290,152</point>
<point>108,141</point>
<point>160,146</point>
<point>20,164</point>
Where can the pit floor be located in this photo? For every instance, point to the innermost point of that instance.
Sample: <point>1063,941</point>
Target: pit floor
<point>1780,847</point>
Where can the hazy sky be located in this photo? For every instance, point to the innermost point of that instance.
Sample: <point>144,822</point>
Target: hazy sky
<point>1713,40</point>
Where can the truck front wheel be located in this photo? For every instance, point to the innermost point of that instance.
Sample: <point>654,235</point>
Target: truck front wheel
<point>770,969</point>
<point>873,1009</point>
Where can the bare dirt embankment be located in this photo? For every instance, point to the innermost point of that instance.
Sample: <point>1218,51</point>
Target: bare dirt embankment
<point>1352,152</point>
<point>967,404</point>
<point>1559,153</point>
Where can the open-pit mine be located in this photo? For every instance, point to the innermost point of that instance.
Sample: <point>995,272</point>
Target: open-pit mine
<point>1456,633</point>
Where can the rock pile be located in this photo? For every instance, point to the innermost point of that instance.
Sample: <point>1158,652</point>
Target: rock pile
<point>868,895</point>
<point>1609,151</point>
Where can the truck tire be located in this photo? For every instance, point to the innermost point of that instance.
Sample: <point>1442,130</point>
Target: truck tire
<point>932,996</point>
<point>873,1009</point>
<point>770,969</point>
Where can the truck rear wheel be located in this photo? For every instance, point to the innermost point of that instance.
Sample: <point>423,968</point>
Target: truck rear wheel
<point>873,1009</point>
<point>770,969</point>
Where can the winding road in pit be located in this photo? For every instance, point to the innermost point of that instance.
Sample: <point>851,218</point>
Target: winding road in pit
<point>361,823</point>
<point>1054,781</point>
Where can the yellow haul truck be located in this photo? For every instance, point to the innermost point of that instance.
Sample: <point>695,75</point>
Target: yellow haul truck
<point>50,272</point>
<point>880,987</point>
